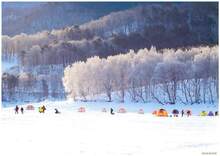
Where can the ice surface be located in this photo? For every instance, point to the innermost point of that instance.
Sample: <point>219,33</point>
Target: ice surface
<point>95,133</point>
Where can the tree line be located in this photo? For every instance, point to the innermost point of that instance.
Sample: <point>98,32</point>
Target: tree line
<point>37,85</point>
<point>168,76</point>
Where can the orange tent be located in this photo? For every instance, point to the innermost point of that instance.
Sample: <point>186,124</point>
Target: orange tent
<point>122,110</point>
<point>82,109</point>
<point>161,113</point>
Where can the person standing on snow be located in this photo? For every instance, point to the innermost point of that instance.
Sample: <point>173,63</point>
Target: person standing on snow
<point>44,108</point>
<point>111,111</point>
<point>16,109</point>
<point>182,112</point>
<point>22,110</point>
<point>56,111</point>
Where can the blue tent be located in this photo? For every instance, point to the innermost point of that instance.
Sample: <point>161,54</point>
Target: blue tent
<point>211,113</point>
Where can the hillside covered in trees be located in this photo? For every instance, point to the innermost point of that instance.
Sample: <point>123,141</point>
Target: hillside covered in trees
<point>52,15</point>
<point>40,58</point>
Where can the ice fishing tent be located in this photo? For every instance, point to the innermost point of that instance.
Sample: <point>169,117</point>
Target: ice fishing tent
<point>30,107</point>
<point>122,110</point>
<point>161,113</point>
<point>203,113</point>
<point>154,112</point>
<point>210,113</point>
<point>175,112</point>
<point>141,111</point>
<point>104,110</point>
<point>82,109</point>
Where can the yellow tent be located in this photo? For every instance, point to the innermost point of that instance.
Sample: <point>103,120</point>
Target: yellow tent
<point>203,113</point>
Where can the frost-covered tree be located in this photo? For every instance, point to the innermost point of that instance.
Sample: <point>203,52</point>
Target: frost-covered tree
<point>167,76</point>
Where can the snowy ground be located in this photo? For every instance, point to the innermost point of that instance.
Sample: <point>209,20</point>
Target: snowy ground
<point>95,133</point>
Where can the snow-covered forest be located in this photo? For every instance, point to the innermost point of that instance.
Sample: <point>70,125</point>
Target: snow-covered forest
<point>135,28</point>
<point>168,76</point>
<point>33,64</point>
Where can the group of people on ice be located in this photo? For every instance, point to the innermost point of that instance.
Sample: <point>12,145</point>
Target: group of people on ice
<point>41,109</point>
<point>175,113</point>
<point>159,112</point>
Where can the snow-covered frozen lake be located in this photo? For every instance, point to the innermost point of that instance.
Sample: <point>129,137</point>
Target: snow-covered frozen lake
<point>96,133</point>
